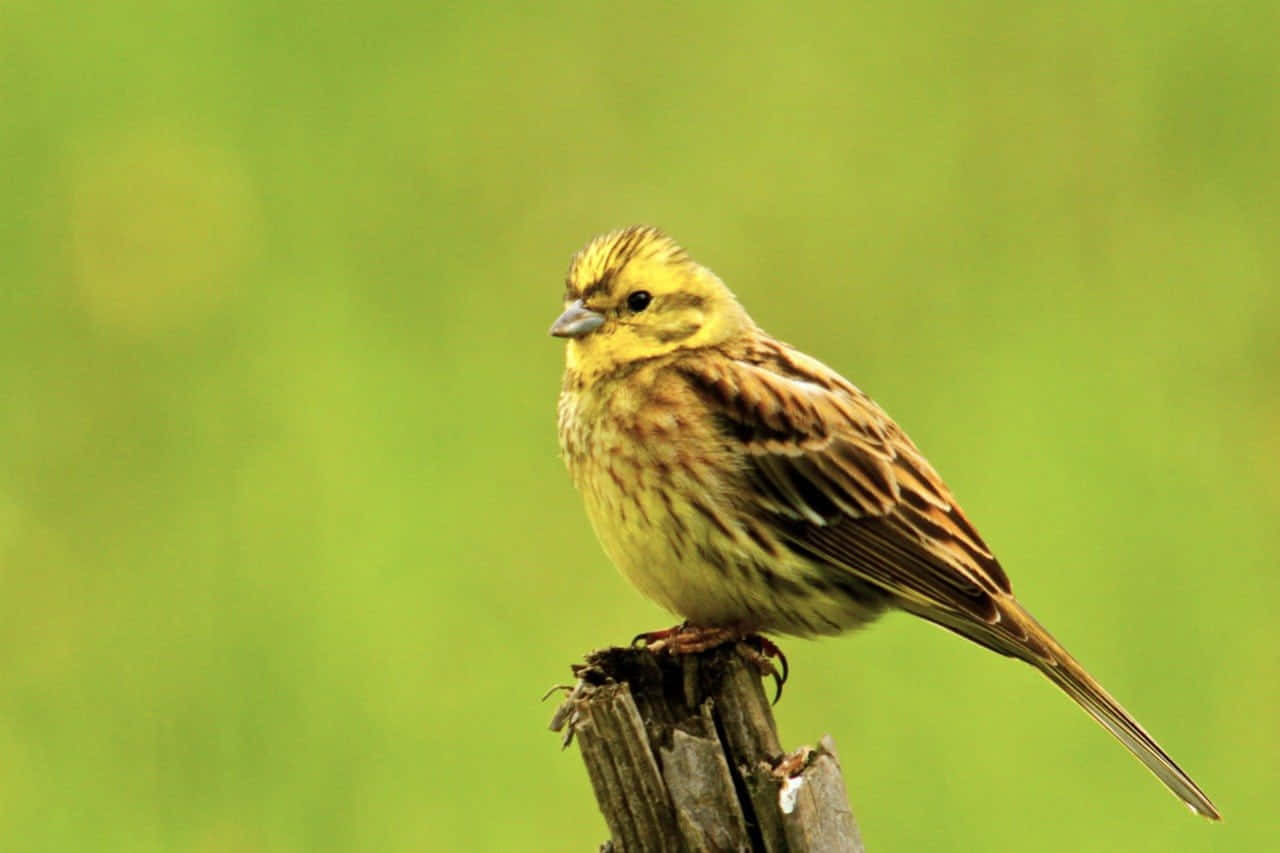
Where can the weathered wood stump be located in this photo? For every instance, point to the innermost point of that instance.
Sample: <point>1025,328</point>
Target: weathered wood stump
<point>683,754</point>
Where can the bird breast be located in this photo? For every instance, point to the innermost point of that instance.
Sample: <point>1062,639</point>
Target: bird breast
<point>658,481</point>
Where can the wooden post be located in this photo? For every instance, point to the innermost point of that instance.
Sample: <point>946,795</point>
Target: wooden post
<point>683,754</point>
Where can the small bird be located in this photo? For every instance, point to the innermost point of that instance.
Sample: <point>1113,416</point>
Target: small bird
<point>749,488</point>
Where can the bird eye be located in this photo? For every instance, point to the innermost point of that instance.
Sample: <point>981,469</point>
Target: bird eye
<point>638,300</point>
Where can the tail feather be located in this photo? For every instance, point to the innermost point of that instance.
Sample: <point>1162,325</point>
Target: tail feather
<point>1089,694</point>
<point>1017,634</point>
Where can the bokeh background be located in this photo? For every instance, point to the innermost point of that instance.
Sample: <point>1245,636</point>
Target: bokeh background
<point>287,556</point>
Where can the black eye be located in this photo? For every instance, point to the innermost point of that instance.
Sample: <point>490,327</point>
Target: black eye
<point>638,300</point>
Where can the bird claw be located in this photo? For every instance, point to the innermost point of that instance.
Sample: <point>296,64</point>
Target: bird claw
<point>686,639</point>
<point>650,639</point>
<point>761,649</point>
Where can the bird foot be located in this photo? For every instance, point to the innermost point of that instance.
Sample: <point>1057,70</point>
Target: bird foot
<point>686,639</point>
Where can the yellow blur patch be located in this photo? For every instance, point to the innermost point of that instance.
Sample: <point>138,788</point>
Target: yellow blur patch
<point>160,226</point>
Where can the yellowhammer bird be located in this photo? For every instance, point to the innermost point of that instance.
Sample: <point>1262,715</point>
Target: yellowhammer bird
<point>747,487</point>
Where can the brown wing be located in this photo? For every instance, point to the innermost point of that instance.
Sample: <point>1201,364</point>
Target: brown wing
<point>839,481</point>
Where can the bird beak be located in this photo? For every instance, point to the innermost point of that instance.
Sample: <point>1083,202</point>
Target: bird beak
<point>576,321</point>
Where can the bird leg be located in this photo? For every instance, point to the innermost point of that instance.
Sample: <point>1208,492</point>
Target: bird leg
<point>686,639</point>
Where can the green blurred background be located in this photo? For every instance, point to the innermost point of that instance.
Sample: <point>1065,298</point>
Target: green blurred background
<point>287,556</point>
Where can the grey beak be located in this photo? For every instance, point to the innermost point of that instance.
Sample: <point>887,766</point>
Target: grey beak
<point>576,321</point>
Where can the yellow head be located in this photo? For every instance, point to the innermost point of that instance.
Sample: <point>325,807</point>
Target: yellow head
<point>634,294</point>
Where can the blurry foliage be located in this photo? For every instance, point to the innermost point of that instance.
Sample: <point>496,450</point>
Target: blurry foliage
<point>286,552</point>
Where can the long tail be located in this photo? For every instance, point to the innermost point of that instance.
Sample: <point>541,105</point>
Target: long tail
<point>1064,671</point>
<point>1019,635</point>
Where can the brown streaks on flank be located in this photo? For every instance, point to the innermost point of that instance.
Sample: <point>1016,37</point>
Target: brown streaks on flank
<point>713,557</point>
<point>779,583</point>
<point>760,537</point>
<point>817,584</point>
<point>712,516</point>
<point>681,528</point>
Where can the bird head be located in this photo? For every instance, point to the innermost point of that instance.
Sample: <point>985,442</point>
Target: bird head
<point>635,294</point>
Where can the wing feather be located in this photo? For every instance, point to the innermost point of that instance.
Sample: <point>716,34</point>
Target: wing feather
<point>837,480</point>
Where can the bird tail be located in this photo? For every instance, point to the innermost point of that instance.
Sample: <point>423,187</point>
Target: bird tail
<point>1018,634</point>
<point>1064,671</point>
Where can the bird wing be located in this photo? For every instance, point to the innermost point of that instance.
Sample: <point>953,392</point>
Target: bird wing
<point>838,480</point>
